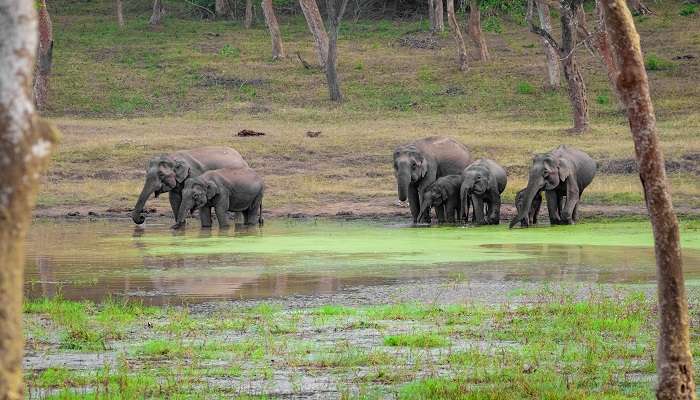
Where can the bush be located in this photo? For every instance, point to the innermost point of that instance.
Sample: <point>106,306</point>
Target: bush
<point>492,24</point>
<point>230,51</point>
<point>688,9</point>
<point>656,63</point>
<point>602,99</point>
<point>525,88</point>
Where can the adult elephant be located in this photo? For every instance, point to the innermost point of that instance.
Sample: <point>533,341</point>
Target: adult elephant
<point>168,173</point>
<point>563,172</point>
<point>417,165</point>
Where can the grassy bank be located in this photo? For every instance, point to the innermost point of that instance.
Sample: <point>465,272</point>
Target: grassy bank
<point>571,342</point>
<point>120,96</point>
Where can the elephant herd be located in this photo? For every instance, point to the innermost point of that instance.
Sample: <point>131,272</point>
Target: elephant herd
<point>439,173</point>
<point>432,173</point>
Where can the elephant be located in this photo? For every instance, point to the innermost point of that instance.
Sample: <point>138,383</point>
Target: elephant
<point>443,194</point>
<point>417,165</point>
<point>226,189</point>
<point>483,181</point>
<point>563,172</point>
<point>169,173</point>
<point>534,210</point>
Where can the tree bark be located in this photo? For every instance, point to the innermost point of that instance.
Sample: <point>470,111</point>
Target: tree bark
<point>431,14</point>
<point>335,15</point>
<point>475,31</point>
<point>25,146</point>
<point>553,74</point>
<point>457,33</point>
<point>274,28</point>
<point>315,23</point>
<point>577,88</point>
<point>120,13</point>
<point>439,16</point>
<point>158,12</point>
<point>222,9</point>
<point>248,21</point>
<point>638,8</point>
<point>42,70</point>
<point>674,362</point>
<point>601,42</point>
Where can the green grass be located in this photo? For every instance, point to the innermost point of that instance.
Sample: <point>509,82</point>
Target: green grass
<point>652,62</point>
<point>689,9</point>
<point>421,340</point>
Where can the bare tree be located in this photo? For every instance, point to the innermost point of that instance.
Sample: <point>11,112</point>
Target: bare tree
<point>576,86</point>
<point>315,23</point>
<point>42,69</point>
<point>335,15</point>
<point>158,13</point>
<point>553,75</point>
<point>222,8</point>
<point>274,28</point>
<point>248,20</point>
<point>475,32</point>
<point>439,17</point>
<point>457,33</point>
<point>120,13</point>
<point>25,146</point>
<point>674,362</point>
<point>431,14</point>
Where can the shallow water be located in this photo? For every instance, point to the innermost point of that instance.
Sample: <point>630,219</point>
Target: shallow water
<point>92,260</point>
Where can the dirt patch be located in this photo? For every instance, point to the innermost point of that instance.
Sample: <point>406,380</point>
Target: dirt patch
<point>425,41</point>
<point>689,162</point>
<point>249,132</point>
<point>210,78</point>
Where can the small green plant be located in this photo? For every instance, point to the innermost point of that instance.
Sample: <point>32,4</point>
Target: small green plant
<point>359,66</point>
<point>525,88</point>
<point>426,74</point>
<point>688,9</point>
<point>416,340</point>
<point>230,51</point>
<point>656,63</point>
<point>492,24</point>
<point>602,99</point>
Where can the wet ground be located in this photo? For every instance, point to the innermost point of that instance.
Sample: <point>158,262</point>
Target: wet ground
<point>288,258</point>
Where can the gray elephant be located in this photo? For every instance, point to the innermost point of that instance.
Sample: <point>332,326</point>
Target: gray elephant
<point>563,172</point>
<point>483,181</point>
<point>169,173</point>
<point>417,165</point>
<point>534,210</point>
<point>227,189</point>
<point>443,194</point>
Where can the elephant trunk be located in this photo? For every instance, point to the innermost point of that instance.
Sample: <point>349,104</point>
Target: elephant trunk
<point>424,209</point>
<point>152,185</point>
<point>185,208</point>
<point>403,179</point>
<point>466,201</point>
<point>534,185</point>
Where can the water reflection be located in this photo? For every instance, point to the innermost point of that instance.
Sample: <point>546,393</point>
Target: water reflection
<point>93,260</point>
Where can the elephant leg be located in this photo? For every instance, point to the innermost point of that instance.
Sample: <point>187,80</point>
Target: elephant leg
<point>414,202</point>
<point>572,197</point>
<point>478,203</point>
<point>495,210</point>
<point>175,200</point>
<point>535,210</point>
<point>450,208</point>
<point>205,216</point>
<point>252,214</point>
<point>221,209</point>
<point>440,212</point>
<point>553,207</point>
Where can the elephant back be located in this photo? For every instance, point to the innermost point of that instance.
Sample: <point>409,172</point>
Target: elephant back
<point>210,158</point>
<point>585,165</point>
<point>450,156</point>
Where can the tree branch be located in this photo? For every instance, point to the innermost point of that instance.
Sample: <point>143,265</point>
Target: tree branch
<point>538,30</point>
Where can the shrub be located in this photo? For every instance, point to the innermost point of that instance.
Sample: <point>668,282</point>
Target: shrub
<point>492,24</point>
<point>525,88</point>
<point>230,51</point>
<point>602,99</point>
<point>688,9</point>
<point>656,63</point>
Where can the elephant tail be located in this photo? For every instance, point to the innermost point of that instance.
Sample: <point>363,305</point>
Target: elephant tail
<point>261,220</point>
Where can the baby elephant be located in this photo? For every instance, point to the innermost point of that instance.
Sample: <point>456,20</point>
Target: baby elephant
<point>534,210</point>
<point>443,194</point>
<point>227,189</point>
<point>483,182</point>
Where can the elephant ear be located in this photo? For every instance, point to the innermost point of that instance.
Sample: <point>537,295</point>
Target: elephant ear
<point>182,171</point>
<point>422,164</point>
<point>565,168</point>
<point>212,190</point>
<point>443,193</point>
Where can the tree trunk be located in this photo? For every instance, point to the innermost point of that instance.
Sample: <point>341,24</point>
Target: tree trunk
<point>248,21</point>
<point>42,69</point>
<point>457,33</point>
<point>553,75</point>
<point>577,88</point>
<point>335,15</point>
<point>222,9</point>
<point>158,12</point>
<point>431,14</point>
<point>25,146</point>
<point>276,36</point>
<point>475,30</point>
<point>439,16</point>
<point>674,362</point>
<point>638,8</point>
<point>315,23</point>
<point>120,13</point>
